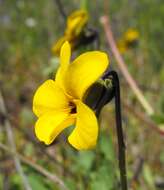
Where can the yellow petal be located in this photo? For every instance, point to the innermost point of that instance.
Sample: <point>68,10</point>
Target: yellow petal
<point>76,21</point>
<point>51,124</point>
<point>65,54</point>
<point>49,97</point>
<point>131,35</point>
<point>84,136</point>
<point>57,46</point>
<point>84,71</point>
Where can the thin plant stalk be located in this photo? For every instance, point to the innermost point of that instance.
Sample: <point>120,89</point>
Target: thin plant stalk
<point>84,4</point>
<point>120,136</point>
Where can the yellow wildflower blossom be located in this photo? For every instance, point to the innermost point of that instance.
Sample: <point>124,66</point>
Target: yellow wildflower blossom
<point>131,35</point>
<point>129,39</point>
<point>75,25</point>
<point>60,103</point>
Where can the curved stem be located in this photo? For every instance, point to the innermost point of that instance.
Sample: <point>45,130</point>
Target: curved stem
<point>123,68</point>
<point>122,161</point>
<point>120,137</point>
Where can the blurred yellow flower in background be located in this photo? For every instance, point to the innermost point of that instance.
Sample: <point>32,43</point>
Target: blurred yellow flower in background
<point>75,25</point>
<point>128,40</point>
<point>60,103</point>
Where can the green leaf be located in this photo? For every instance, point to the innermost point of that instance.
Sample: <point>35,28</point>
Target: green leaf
<point>71,184</point>
<point>162,157</point>
<point>1,180</point>
<point>16,182</point>
<point>148,176</point>
<point>29,149</point>
<point>37,182</point>
<point>84,161</point>
<point>158,118</point>
<point>103,179</point>
<point>106,147</point>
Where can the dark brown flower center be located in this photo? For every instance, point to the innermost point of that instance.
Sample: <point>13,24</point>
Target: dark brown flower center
<point>73,107</point>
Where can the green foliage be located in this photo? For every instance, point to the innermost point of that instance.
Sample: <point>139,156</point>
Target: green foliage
<point>71,184</point>
<point>148,176</point>
<point>158,118</point>
<point>16,182</point>
<point>37,182</point>
<point>106,147</point>
<point>85,161</point>
<point>103,178</point>
<point>1,180</point>
<point>162,157</point>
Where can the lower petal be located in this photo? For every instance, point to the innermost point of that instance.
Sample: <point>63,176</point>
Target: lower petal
<point>85,134</point>
<point>50,125</point>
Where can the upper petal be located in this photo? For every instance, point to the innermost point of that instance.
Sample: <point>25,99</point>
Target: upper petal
<point>84,71</point>
<point>65,54</point>
<point>85,134</point>
<point>51,124</point>
<point>49,97</point>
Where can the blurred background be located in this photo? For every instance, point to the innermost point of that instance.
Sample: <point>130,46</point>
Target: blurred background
<point>28,30</point>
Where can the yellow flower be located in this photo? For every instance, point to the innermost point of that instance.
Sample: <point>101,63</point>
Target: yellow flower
<point>128,40</point>
<point>60,103</point>
<point>75,25</point>
<point>131,35</point>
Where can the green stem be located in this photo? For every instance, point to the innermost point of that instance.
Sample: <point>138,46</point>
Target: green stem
<point>84,4</point>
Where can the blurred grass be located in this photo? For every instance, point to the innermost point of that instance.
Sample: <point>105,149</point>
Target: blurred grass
<point>28,30</point>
